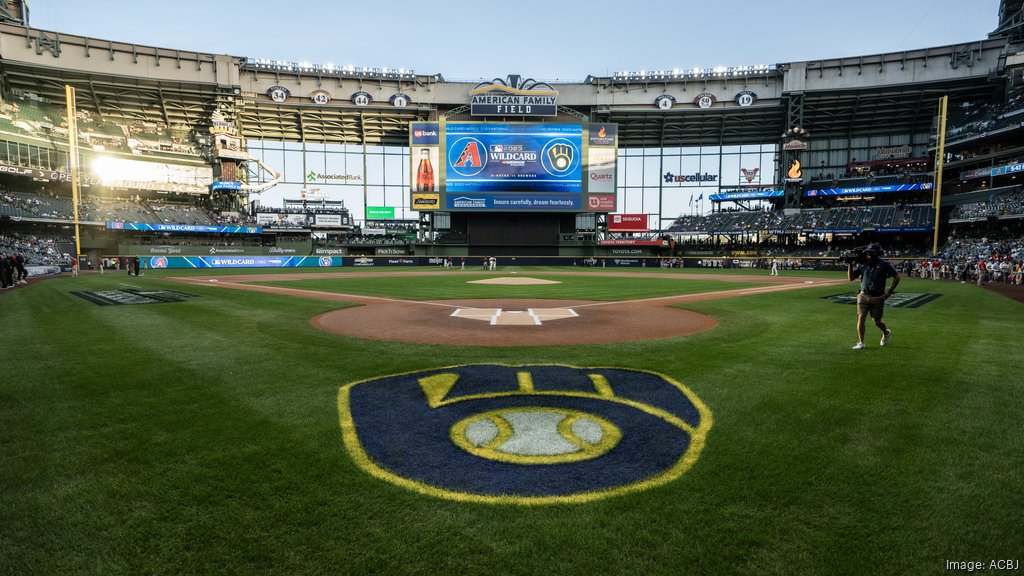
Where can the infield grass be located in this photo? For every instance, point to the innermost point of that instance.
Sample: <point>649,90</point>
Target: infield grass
<point>454,286</point>
<point>202,437</point>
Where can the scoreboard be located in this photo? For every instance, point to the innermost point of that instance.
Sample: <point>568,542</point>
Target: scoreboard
<point>489,166</point>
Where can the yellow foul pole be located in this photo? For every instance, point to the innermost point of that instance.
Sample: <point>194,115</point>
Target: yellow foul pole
<point>69,94</point>
<point>940,159</point>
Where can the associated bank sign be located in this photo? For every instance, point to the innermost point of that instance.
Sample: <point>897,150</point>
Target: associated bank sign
<point>514,96</point>
<point>314,176</point>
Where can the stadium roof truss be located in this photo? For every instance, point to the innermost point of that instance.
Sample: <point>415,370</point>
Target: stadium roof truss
<point>909,109</point>
<point>372,125</point>
<point>1011,20</point>
<point>887,99</point>
<point>114,98</point>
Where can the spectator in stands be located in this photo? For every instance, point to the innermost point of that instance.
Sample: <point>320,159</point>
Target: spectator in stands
<point>873,273</point>
<point>6,272</point>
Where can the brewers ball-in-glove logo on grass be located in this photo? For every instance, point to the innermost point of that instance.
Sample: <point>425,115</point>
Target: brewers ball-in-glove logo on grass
<point>523,434</point>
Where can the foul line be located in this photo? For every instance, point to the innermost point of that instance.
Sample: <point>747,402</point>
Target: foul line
<point>734,292</point>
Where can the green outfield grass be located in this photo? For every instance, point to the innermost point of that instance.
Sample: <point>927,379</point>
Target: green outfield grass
<point>202,437</point>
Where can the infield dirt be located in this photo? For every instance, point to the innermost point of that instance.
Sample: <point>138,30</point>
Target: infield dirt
<point>431,322</point>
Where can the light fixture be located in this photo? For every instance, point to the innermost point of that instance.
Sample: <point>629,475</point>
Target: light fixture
<point>328,69</point>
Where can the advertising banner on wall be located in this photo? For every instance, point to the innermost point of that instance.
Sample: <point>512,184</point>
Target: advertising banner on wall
<point>513,202</point>
<point>602,170</point>
<point>188,228</point>
<point>627,223</point>
<point>1010,169</point>
<point>868,190</point>
<point>746,195</point>
<point>46,175</point>
<point>380,212</point>
<point>602,165</point>
<point>631,242</point>
<point>425,165</point>
<point>327,220</point>
<point>158,262</point>
<point>170,250</point>
<point>282,220</point>
<point>160,176</point>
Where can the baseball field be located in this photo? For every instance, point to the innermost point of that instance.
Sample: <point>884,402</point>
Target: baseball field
<point>425,422</point>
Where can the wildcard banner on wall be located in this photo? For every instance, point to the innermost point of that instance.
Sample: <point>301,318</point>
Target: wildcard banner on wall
<point>184,228</point>
<point>158,262</point>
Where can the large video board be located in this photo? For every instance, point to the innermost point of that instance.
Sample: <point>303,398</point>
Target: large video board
<point>483,166</point>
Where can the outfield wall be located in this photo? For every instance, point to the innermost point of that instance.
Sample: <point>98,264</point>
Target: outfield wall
<point>475,263</point>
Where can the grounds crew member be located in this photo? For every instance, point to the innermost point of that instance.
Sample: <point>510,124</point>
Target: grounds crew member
<point>873,273</point>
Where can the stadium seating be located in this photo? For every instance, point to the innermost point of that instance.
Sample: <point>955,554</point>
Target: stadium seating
<point>24,205</point>
<point>37,250</point>
<point>169,213</point>
<point>844,218</point>
<point>972,119</point>
<point>1002,205</point>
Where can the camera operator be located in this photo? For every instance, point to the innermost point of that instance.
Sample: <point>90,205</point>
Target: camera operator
<point>872,272</point>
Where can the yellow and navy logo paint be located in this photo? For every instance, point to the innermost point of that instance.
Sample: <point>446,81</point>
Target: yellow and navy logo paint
<point>538,434</point>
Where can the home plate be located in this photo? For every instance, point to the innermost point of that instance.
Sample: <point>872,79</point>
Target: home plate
<point>521,281</point>
<point>499,317</point>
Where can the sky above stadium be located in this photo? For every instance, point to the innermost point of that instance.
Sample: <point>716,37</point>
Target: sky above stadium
<point>541,39</point>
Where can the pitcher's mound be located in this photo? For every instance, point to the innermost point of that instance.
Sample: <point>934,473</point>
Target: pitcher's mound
<point>513,281</point>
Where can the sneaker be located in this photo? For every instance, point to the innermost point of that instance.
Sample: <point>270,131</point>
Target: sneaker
<point>859,346</point>
<point>885,338</point>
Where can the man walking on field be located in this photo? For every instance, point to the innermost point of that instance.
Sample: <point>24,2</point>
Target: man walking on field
<point>873,273</point>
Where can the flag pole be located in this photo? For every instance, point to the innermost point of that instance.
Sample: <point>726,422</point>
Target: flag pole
<point>940,158</point>
<point>69,95</point>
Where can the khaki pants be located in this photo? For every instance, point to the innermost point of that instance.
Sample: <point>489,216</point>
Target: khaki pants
<point>870,305</point>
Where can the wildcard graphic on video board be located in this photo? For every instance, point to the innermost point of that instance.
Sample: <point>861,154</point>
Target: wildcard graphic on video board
<point>512,166</point>
<point>514,158</point>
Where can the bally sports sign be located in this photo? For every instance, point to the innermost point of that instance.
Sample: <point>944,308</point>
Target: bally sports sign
<point>627,223</point>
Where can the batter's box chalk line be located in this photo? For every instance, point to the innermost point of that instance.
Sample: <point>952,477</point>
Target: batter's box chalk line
<point>501,317</point>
